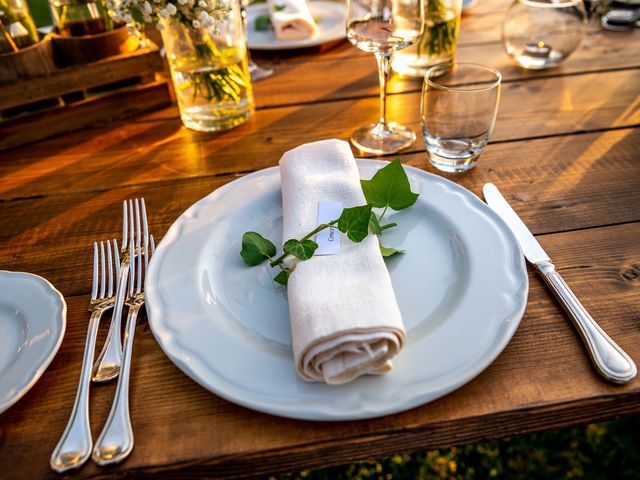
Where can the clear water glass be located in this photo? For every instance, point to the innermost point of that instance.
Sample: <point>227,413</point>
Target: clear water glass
<point>540,34</point>
<point>458,109</point>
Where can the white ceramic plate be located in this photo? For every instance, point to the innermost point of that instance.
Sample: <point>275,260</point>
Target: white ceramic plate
<point>461,286</point>
<point>33,318</point>
<point>331,27</point>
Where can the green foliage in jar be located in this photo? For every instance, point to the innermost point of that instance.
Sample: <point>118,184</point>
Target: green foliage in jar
<point>441,31</point>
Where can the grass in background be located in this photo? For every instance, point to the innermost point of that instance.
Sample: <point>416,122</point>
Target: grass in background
<point>606,451</point>
<point>40,12</point>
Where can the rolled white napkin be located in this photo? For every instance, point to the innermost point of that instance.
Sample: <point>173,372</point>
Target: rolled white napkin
<point>291,19</point>
<point>345,320</point>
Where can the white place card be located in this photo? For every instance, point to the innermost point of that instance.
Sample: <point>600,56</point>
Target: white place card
<point>328,240</point>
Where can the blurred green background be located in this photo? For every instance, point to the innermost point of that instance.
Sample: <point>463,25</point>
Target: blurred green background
<point>606,451</point>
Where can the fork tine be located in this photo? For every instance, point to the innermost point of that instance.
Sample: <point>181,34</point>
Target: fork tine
<point>117,256</point>
<point>131,234</point>
<point>145,226</point>
<point>94,286</point>
<point>125,228</point>
<point>110,262</point>
<point>153,246</point>
<point>103,271</point>
<point>138,233</point>
<point>139,279</point>
<point>132,271</point>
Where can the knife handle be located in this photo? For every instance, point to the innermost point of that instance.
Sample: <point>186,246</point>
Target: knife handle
<point>609,359</point>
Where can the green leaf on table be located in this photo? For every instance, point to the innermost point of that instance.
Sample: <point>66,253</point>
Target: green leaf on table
<point>282,278</point>
<point>374,224</point>
<point>256,248</point>
<point>389,187</point>
<point>262,23</point>
<point>279,8</point>
<point>354,222</point>
<point>388,251</point>
<point>300,249</point>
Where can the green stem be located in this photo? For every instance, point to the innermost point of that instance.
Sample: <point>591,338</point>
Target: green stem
<point>388,225</point>
<point>316,230</point>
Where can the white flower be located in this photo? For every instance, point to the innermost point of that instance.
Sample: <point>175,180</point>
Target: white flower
<point>203,4</point>
<point>146,6</point>
<point>164,13</point>
<point>160,26</point>
<point>128,18</point>
<point>171,8</point>
<point>182,2</point>
<point>195,23</point>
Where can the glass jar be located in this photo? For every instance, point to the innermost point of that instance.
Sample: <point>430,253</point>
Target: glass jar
<point>76,18</point>
<point>540,34</point>
<point>210,71</point>
<point>18,30</point>
<point>436,45</point>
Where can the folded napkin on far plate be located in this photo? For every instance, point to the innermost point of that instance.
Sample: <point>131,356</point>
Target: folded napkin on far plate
<point>291,19</point>
<point>345,320</point>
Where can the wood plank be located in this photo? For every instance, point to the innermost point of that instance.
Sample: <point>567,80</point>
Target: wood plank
<point>556,184</point>
<point>73,79</point>
<point>85,113</point>
<point>134,152</point>
<point>168,409</point>
<point>358,78</point>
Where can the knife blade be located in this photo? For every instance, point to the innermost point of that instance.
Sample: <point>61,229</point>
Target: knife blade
<point>608,358</point>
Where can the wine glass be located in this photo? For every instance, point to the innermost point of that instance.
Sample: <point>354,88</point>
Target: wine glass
<point>382,27</point>
<point>256,72</point>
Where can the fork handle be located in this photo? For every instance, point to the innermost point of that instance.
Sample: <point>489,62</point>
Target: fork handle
<point>74,447</point>
<point>116,439</point>
<point>611,361</point>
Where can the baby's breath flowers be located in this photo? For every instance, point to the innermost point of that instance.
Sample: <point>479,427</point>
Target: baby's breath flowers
<point>195,13</point>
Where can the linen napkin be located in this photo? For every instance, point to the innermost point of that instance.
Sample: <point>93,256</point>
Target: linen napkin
<point>345,320</point>
<point>291,19</point>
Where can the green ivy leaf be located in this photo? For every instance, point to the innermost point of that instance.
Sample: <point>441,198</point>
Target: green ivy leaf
<point>256,248</point>
<point>389,187</point>
<point>387,251</point>
<point>354,222</point>
<point>282,278</point>
<point>302,250</point>
<point>262,23</point>
<point>374,224</point>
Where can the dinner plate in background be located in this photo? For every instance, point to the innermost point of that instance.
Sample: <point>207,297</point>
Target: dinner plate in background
<point>461,286</point>
<point>33,317</point>
<point>331,27</point>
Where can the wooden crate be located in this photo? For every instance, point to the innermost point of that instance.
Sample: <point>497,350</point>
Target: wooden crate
<point>76,97</point>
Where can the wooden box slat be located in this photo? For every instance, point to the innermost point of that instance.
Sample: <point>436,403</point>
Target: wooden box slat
<point>81,77</point>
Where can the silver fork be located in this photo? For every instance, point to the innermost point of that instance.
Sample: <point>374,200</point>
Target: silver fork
<point>74,447</point>
<point>116,439</point>
<point>109,362</point>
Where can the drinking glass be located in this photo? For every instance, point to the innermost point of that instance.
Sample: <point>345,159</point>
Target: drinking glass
<point>382,27</point>
<point>458,109</point>
<point>540,34</point>
<point>75,18</point>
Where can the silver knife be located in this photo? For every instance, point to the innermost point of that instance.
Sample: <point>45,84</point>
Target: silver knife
<point>608,358</point>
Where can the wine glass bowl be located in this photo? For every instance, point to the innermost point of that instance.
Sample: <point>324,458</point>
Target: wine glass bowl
<point>540,34</point>
<point>382,27</point>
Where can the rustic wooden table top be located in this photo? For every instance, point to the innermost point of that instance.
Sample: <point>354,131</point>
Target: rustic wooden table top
<point>565,152</point>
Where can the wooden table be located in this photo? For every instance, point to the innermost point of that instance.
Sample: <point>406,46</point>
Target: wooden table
<point>565,152</point>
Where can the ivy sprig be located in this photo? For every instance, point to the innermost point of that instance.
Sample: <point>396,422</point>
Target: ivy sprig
<point>388,188</point>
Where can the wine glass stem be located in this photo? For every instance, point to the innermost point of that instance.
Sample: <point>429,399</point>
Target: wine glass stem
<point>384,65</point>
